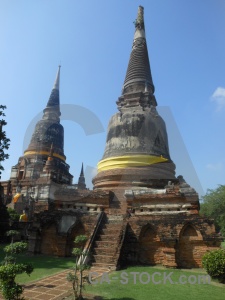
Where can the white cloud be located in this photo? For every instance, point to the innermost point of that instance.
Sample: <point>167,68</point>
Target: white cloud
<point>215,167</point>
<point>219,98</point>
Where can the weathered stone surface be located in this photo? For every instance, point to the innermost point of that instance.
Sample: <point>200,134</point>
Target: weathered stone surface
<point>137,131</point>
<point>155,175</point>
<point>56,231</point>
<point>138,214</point>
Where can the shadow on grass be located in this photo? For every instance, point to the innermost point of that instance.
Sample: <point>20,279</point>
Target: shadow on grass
<point>45,261</point>
<point>40,260</point>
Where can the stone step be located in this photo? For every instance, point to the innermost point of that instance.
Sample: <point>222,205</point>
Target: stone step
<point>114,218</point>
<point>112,237</point>
<point>104,259</point>
<point>102,244</point>
<point>112,225</point>
<point>111,231</point>
<point>105,250</point>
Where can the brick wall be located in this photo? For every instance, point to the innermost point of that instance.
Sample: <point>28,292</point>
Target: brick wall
<point>178,241</point>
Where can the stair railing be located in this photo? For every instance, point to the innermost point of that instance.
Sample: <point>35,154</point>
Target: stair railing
<point>85,257</point>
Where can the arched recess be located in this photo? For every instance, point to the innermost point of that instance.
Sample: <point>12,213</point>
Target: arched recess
<point>75,230</point>
<point>150,251</point>
<point>60,244</point>
<point>188,250</point>
<point>51,242</point>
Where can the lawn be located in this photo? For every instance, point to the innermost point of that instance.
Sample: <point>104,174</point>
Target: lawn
<point>144,285</point>
<point>130,285</point>
<point>43,265</point>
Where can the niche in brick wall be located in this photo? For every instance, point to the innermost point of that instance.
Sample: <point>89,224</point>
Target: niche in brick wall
<point>188,248</point>
<point>150,246</point>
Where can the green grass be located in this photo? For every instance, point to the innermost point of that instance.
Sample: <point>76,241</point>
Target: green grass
<point>223,244</point>
<point>115,290</point>
<point>43,265</point>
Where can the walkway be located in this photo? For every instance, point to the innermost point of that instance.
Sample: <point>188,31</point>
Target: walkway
<point>55,287</point>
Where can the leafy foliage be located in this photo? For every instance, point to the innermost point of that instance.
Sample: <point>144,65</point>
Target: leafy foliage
<point>10,269</point>
<point>4,145</point>
<point>13,215</point>
<point>4,141</point>
<point>76,278</point>
<point>214,207</point>
<point>12,234</point>
<point>4,221</point>
<point>214,263</point>
<point>16,248</point>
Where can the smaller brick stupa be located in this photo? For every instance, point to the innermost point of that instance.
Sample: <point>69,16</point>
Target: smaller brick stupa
<point>43,165</point>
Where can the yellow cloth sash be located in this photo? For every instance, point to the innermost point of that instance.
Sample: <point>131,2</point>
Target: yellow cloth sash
<point>44,153</point>
<point>126,161</point>
<point>16,197</point>
<point>23,218</point>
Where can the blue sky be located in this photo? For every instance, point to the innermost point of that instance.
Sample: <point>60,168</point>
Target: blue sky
<point>92,40</point>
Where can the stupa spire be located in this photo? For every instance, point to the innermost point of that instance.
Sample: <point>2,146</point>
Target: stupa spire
<point>48,130</point>
<point>138,71</point>
<point>52,110</point>
<point>81,180</point>
<point>82,170</point>
<point>56,83</point>
<point>45,152</point>
<point>139,24</point>
<point>136,147</point>
<point>54,96</point>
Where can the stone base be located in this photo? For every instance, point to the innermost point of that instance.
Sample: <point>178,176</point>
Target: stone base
<point>155,175</point>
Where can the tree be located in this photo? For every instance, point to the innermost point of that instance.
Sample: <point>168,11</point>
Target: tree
<point>4,219</point>
<point>77,277</point>
<point>213,206</point>
<point>10,269</point>
<point>4,141</point>
<point>4,145</point>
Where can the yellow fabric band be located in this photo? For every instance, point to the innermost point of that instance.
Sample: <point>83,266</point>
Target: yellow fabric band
<point>44,153</point>
<point>127,161</point>
<point>16,197</point>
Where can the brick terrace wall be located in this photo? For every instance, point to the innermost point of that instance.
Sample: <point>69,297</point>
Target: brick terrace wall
<point>53,243</point>
<point>163,240</point>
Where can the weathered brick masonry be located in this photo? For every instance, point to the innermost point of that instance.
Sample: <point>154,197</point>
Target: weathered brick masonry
<point>139,212</point>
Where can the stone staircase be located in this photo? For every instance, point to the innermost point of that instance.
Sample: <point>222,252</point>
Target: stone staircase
<point>108,244</point>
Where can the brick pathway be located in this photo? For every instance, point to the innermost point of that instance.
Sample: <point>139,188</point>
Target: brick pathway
<point>54,287</point>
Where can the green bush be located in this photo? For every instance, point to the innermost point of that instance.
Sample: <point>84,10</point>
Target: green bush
<point>10,269</point>
<point>4,222</point>
<point>13,215</point>
<point>214,263</point>
<point>16,248</point>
